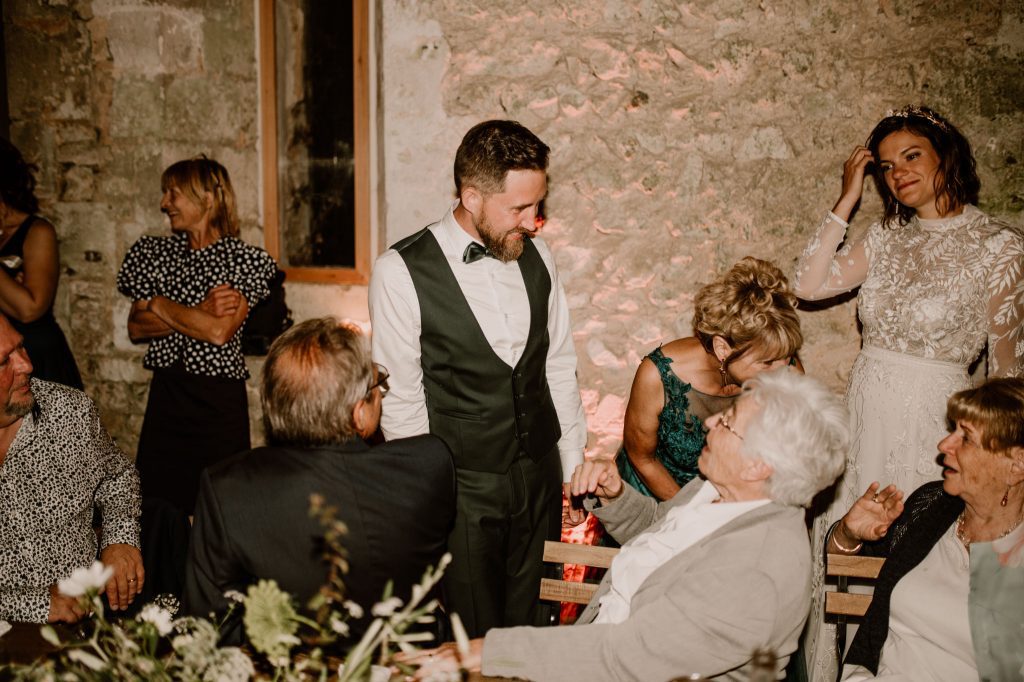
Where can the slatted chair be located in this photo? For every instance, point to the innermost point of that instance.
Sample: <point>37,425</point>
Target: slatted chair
<point>842,603</point>
<point>580,555</point>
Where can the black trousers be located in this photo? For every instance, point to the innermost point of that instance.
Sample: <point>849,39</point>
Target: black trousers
<point>501,523</point>
<point>191,422</point>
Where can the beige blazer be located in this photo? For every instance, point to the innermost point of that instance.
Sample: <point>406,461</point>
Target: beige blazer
<point>747,585</point>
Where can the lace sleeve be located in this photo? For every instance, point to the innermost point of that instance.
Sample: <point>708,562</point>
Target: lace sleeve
<point>1006,305</point>
<point>822,271</point>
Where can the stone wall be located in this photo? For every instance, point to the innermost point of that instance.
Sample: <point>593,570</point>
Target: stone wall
<point>688,135</point>
<point>684,136</point>
<point>104,95</point>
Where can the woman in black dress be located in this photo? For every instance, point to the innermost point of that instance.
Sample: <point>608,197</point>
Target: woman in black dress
<point>191,293</point>
<point>29,270</point>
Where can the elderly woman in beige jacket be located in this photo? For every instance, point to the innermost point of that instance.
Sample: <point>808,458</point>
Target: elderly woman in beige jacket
<point>705,578</point>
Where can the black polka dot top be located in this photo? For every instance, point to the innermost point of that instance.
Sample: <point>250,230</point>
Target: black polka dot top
<point>166,266</point>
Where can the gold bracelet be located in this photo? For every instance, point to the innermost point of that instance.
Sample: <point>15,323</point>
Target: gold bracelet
<point>835,541</point>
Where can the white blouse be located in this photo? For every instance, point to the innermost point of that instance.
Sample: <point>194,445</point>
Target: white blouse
<point>681,528</point>
<point>929,629</point>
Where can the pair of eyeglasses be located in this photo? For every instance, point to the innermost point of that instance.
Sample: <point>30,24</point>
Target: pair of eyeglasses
<point>724,421</point>
<point>381,382</point>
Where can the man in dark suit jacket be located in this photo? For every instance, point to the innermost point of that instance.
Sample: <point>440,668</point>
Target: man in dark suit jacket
<point>321,397</point>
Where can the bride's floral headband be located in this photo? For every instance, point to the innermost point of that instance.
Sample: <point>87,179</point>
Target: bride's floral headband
<point>918,112</point>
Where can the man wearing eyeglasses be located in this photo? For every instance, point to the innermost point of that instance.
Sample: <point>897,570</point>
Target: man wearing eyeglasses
<point>321,398</point>
<point>471,317</point>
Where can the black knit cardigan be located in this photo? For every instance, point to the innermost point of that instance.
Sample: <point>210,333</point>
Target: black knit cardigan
<point>926,517</point>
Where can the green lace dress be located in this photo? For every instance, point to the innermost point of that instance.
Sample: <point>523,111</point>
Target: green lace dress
<point>680,427</point>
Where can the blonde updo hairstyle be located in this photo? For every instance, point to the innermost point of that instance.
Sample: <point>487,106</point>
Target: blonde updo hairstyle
<point>750,306</point>
<point>195,178</point>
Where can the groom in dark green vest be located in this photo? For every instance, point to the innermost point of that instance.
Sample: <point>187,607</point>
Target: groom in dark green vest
<point>471,321</point>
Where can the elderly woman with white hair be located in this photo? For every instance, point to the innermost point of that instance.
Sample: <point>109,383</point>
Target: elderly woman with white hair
<point>707,577</point>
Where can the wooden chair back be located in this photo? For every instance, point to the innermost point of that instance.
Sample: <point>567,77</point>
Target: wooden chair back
<point>842,603</point>
<point>580,555</point>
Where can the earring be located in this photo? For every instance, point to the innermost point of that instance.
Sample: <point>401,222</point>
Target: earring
<point>1006,497</point>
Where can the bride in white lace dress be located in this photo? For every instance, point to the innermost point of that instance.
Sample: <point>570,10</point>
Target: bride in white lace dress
<point>939,282</point>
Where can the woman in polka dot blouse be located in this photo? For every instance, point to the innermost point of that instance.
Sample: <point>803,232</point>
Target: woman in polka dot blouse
<point>191,293</point>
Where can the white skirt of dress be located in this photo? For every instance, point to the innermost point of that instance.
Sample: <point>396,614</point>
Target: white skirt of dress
<point>897,406</point>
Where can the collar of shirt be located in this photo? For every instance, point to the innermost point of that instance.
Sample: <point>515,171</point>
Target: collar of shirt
<point>681,528</point>
<point>495,291</point>
<point>452,239</point>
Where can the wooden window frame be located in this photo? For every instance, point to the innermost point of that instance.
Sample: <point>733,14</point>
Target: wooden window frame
<point>360,274</point>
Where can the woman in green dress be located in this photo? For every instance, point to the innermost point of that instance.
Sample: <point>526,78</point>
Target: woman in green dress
<point>744,323</point>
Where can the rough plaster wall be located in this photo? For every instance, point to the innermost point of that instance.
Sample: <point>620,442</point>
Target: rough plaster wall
<point>688,135</point>
<point>685,136</point>
<point>104,95</point>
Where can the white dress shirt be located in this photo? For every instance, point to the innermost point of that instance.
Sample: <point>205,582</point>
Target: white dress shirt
<point>496,294</point>
<point>681,528</point>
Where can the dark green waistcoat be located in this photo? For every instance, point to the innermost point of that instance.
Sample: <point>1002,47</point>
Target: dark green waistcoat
<point>488,413</point>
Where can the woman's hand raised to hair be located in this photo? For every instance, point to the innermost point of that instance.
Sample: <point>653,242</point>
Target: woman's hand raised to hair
<point>853,181</point>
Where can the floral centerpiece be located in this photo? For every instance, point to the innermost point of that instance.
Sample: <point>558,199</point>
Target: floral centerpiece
<point>283,644</point>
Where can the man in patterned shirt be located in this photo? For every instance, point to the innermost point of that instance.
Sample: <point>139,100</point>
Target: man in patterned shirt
<point>57,464</point>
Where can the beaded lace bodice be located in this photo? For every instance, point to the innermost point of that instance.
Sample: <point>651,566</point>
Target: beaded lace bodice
<point>937,289</point>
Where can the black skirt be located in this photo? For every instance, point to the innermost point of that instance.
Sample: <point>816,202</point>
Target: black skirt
<point>191,422</point>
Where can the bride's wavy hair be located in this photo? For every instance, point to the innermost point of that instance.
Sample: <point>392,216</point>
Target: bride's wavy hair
<point>956,183</point>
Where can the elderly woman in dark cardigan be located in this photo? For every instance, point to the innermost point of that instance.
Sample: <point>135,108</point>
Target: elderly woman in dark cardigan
<point>949,602</point>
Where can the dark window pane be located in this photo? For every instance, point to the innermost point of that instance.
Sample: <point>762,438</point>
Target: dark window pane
<point>318,180</point>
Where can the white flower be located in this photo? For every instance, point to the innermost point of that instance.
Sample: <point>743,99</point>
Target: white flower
<point>354,609</point>
<point>339,626</point>
<point>234,595</point>
<point>84,580</point>
<point>160,618</point>
<point>5,627</point>
<point>182,642</point>
<point>87,659</point>
<point>380,673</point>
<point>230,664</point>
<point>385,608</point>
<point>168,602</point>
<point>461,638</point>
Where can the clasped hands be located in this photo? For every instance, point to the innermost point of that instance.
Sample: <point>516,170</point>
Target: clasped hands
<point>222,300</point>
<point>122,588</point>
<point>598,477</point>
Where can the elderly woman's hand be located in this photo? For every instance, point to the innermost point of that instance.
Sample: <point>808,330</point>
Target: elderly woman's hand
<point>444,662</point>
<point>871,515</point>
<point>597,476</point>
